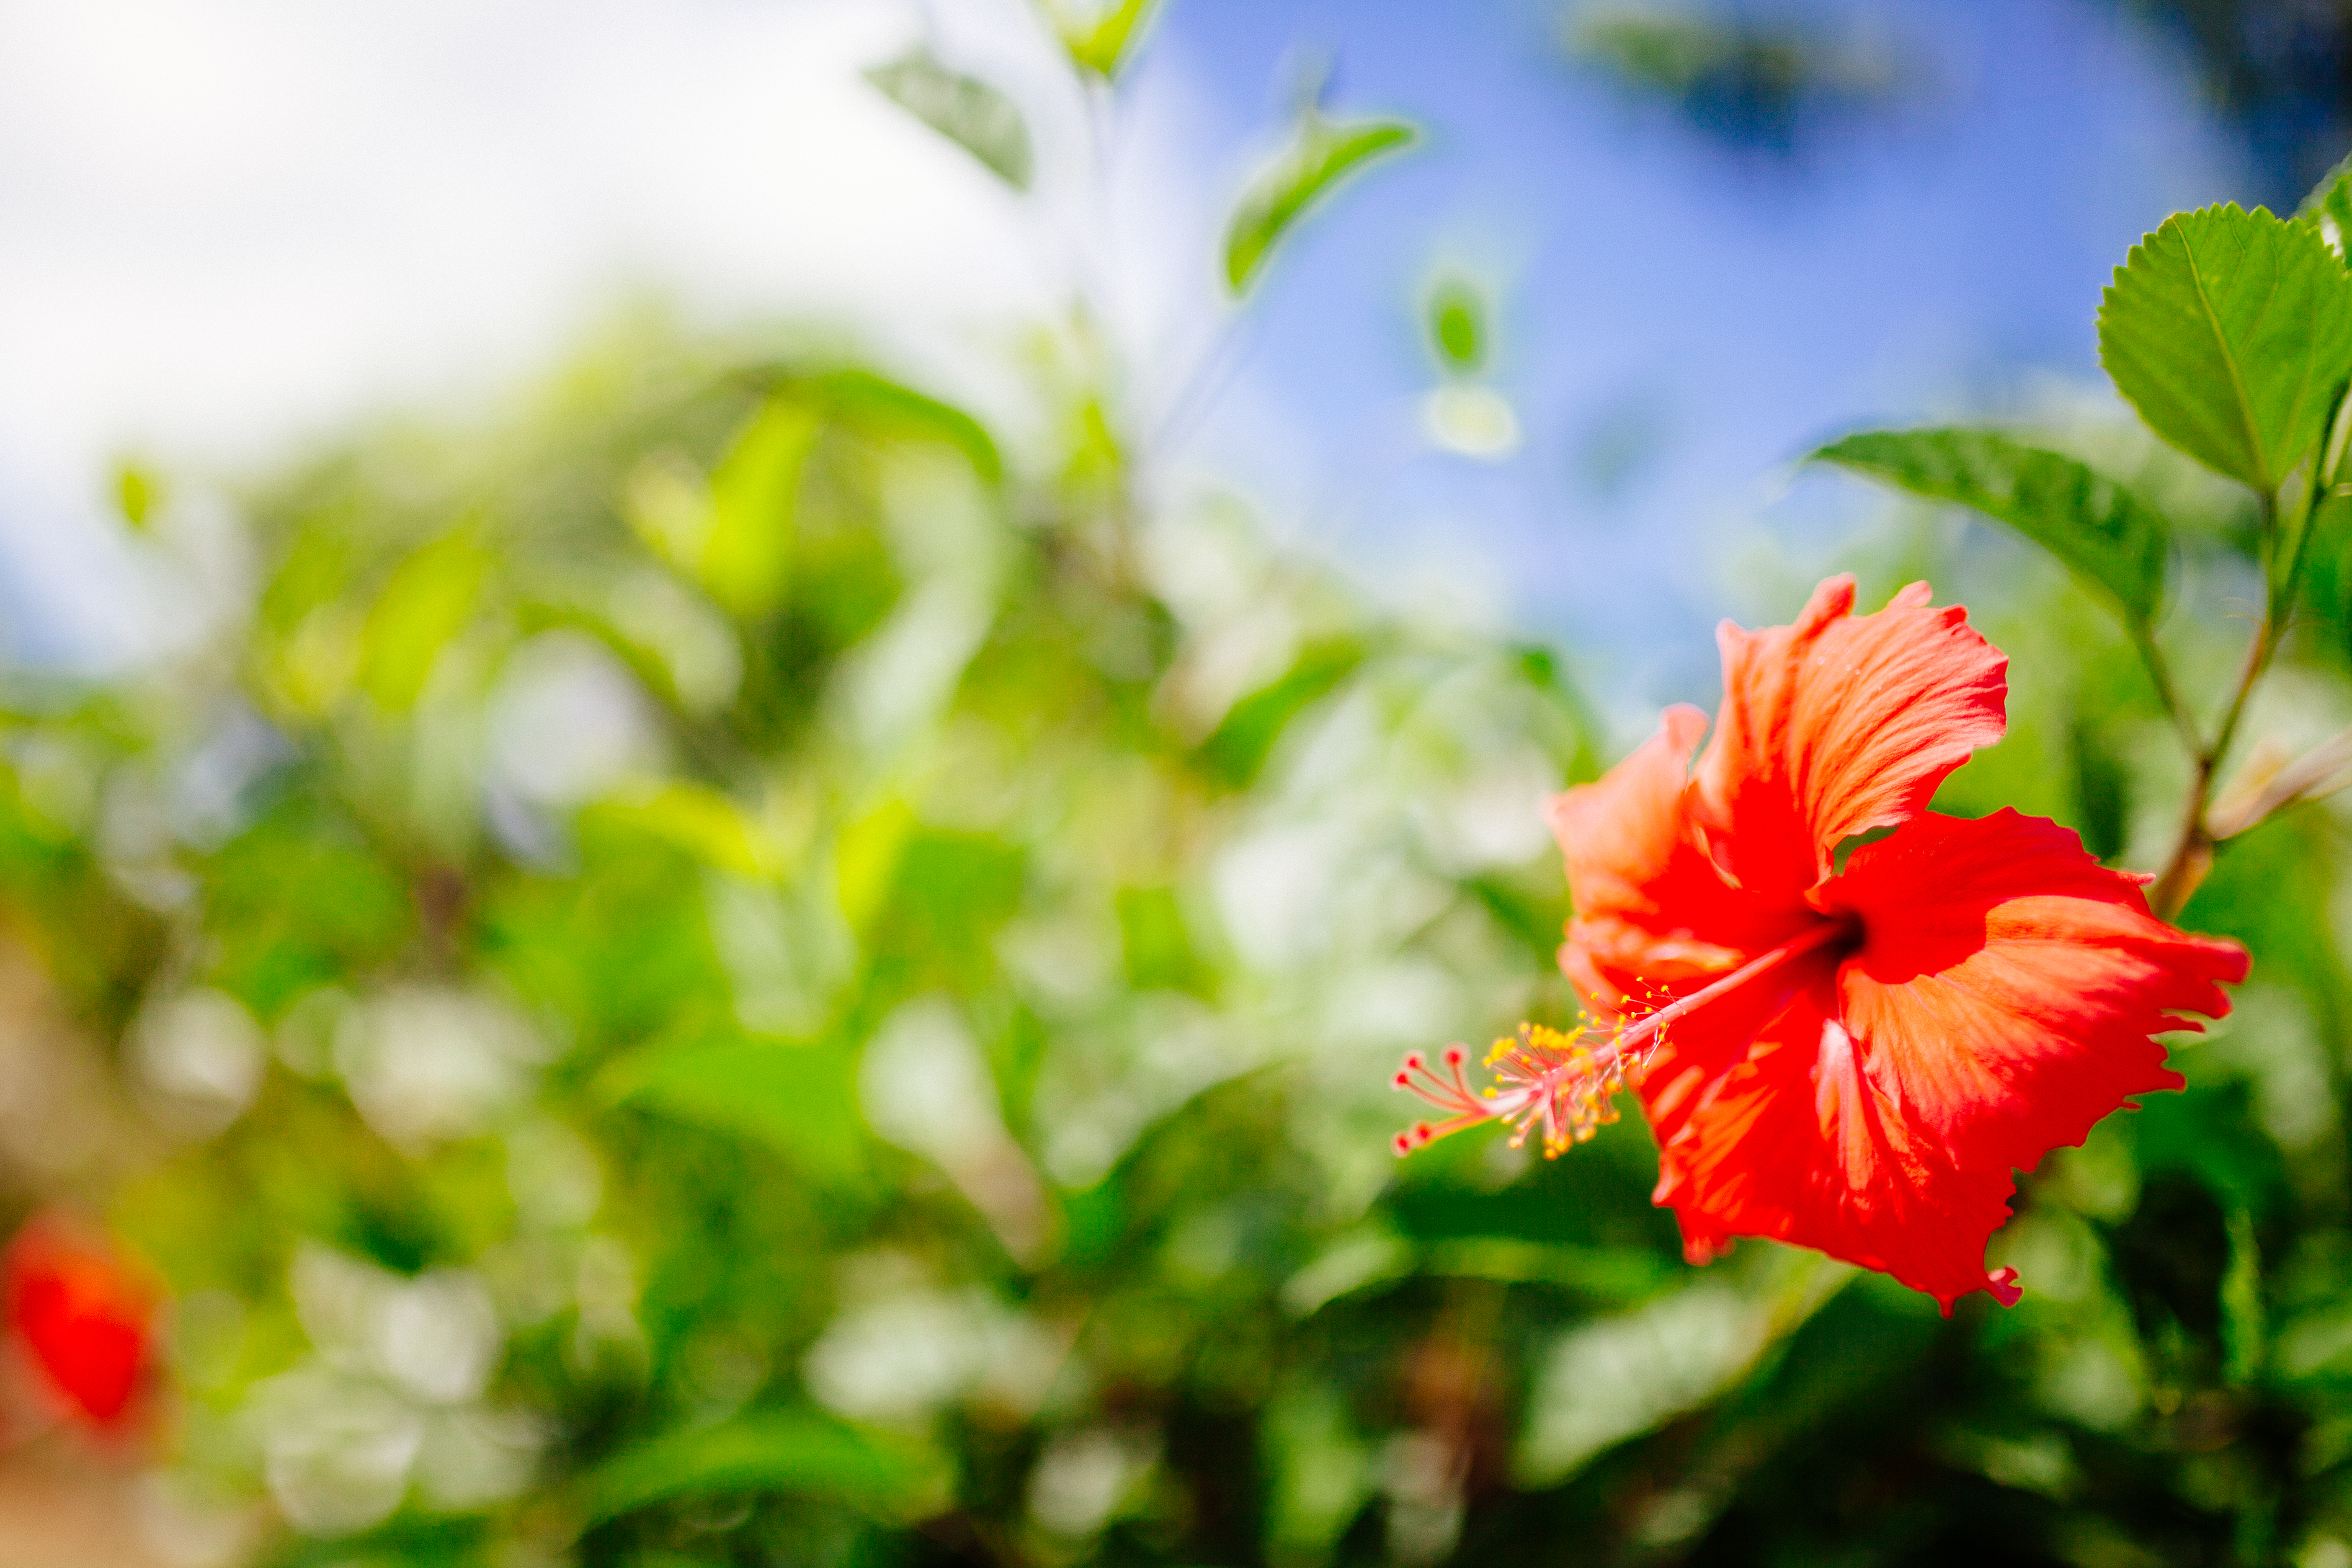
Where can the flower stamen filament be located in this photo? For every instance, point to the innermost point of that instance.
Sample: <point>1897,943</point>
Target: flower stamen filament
<point>1565,1083</point>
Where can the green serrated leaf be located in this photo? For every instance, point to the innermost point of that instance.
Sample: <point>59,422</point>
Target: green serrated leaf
<point>1324,152</point>
<point>2231,331</point>
<point>1099,42</point>
<point>797,1452</point>
<point>963,109</point>
<point>2116,542</point>
<point>2328,208</point>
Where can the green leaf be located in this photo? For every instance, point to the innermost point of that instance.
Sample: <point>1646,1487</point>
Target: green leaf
<point>2231,331</point>
<point>2328,208</point>
<point>2108,537</point>
<point>867,853</point>
<point>884,407</point>
<point>1624,1275</point>
<point>138,493</point>
<point>1099,42</point>
<point>1157,943</point>
<point>425,602</point>
<point>796,1099</point>
<point>734,533</point>
<point>704,823</point>
<point>1457,325</point>
<point>746,556</point>
<point>2242,1332</point>
<point>963,109</point>
<point>1245,737</point>
<point>1324,152</point>
<point>798,1452</point>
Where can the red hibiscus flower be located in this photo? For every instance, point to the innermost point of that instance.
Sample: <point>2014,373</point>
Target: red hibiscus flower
<point>84,1317</point>
<point>1853,1060</point>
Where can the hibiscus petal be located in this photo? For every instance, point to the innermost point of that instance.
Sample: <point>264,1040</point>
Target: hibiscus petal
<point>1686,1072</point>
<point>1839,724</point>
<point>1801,1144</point>
<point>2007,983</point>
<point>1651,910</point>
<point>1655,918</point>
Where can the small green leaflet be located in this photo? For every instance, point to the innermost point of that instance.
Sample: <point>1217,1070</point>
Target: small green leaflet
<point>138,493</point>
<point>965,109</point>
<point>2107,536</point>
<point>1101,43</point>
<point>1326,151</point>
<point>1457,325</point>
<point>2231,331</point>
<point>2328,208</point>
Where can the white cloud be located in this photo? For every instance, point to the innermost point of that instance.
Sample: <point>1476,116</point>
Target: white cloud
<point>231,224</point>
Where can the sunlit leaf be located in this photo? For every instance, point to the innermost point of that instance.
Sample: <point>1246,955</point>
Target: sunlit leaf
<point>2231,331</point>
<point>798,1452</point>
<point>799,1100</point>
<point>866,855</point>
<point>1099,40</point>
<point>1369,1256</point>
<point>747,554</point>
<point>1606,1381</point>
<point>1324,152</point>
<point>2116,542</point>
<point>969,112</point>
<point>732,533</point>
<point>2328,208</point>
<point>867,401</point>
<point>705,824</point>
<point>427,602</point>
<point>1322,1471</point>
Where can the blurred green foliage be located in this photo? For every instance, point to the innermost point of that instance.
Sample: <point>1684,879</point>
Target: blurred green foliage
<point>726,970</point>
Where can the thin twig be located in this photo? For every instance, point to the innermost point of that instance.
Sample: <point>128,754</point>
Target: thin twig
<point>2159,674</point>
<point>2192,855</point>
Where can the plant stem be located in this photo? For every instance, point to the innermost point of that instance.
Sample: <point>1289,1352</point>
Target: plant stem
<point>2192,857</point>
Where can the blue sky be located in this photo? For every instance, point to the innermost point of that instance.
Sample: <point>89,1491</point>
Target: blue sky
<point>1716,309</point>
<point>234,226</point>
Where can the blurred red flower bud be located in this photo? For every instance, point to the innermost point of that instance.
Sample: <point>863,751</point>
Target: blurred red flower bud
<point>84,1316</point>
